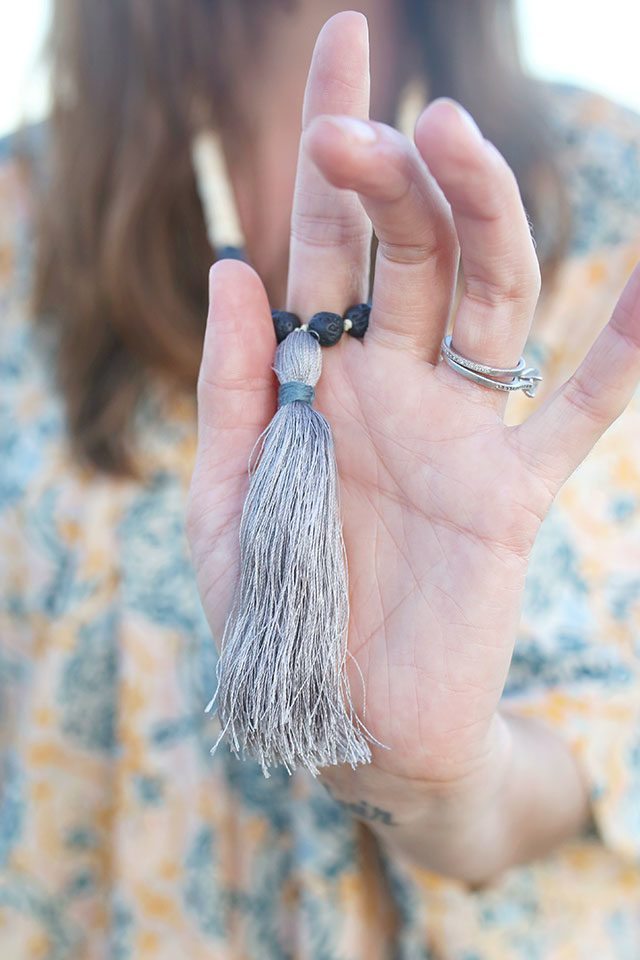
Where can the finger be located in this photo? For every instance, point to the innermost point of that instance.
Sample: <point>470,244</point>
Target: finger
<point>330,233</point>
<point>236,399</point>
<point>500,267</point>
<point>561,433</point>
<point>236,396</point>
<point>417,248</point>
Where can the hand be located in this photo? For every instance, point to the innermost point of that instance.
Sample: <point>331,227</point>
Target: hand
<point>441,501</point>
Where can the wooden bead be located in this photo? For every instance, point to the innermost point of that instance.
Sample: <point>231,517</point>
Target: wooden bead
<point>284,322</point>
<point>359,317</point>
<point>327,327</point>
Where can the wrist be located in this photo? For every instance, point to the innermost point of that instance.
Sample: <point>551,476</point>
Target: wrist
<point>387,799</point>
<point>523,796</point>
<point>408,799</point>
<point>453,827</point>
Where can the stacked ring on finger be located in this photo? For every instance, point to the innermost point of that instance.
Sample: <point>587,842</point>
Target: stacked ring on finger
<point>520,377</point>
<point>326,327</point>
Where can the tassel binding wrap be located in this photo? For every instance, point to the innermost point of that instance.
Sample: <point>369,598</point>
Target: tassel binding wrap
<point>283,696</point>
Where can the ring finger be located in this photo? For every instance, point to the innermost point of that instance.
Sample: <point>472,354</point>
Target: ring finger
<point>501,276</point>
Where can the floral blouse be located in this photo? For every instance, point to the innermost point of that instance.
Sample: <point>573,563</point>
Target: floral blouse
<point>121,838</point>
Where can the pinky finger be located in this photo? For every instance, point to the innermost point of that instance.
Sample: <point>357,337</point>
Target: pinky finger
<point>562,432</point>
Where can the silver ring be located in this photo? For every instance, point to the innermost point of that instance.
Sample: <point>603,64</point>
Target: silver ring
<point>520,377</point>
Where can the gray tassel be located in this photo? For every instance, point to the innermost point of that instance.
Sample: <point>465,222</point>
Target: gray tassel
<point>283,695</point>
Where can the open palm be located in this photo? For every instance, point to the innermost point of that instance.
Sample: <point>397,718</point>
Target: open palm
<point>441,502</point>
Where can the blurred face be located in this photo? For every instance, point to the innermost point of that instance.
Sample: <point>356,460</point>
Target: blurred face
<point>289,45</point>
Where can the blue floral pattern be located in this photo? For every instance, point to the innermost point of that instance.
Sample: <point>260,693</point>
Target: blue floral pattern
<point>122,837</point>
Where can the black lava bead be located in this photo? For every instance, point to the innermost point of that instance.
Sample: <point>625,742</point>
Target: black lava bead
<point>284,323</point>
<point>359,316</point>
<point>328,328</point>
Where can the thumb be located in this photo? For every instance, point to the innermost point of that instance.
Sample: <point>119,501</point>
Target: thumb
<point>236,385</point>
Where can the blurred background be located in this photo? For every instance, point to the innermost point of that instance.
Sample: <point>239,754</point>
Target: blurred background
<point>561,40</point>
<point>106,658</point>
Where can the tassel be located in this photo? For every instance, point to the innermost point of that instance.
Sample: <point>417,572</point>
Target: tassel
<point>283,696</point>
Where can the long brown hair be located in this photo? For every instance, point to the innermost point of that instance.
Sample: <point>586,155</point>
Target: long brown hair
<point>123,253</point>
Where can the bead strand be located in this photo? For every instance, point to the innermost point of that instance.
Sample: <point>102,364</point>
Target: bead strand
<point>325,326</point>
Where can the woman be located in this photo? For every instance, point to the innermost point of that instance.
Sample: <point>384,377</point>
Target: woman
<point>497,824</point>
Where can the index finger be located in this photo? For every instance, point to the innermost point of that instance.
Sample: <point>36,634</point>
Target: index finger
<point>330,233</point>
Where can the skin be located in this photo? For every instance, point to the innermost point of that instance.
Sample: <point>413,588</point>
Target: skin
<point>268,92</point>
<point>441,500</point>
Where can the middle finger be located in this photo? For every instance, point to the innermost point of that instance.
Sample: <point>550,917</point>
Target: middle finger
<point>417,248</point>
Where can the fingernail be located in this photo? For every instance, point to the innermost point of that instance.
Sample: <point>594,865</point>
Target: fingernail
<point>468,120</point>
<point>355,129</point>
<point>465,117</point>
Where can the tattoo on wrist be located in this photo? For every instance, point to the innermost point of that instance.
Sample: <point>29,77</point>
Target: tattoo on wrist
<point>369,812</point>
